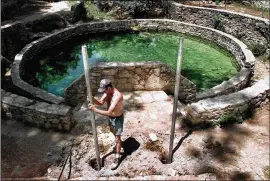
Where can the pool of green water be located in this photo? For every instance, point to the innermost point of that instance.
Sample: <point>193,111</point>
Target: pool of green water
<point>204,63</point>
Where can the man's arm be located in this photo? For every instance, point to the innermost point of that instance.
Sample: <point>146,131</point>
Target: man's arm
<point>111,108</point>
<point>100,101</point>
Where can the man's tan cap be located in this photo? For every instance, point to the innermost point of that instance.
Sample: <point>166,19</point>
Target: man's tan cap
<point>103,84</point>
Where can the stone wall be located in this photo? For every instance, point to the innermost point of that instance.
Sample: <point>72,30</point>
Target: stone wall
<point>247,28</point>
<point>213,108</point>
<point>263,4</point>
<point>243,56</point>
<point>238,82</point>
<point>39,114</point>
<point>140,76</point>
<point>16,35</point>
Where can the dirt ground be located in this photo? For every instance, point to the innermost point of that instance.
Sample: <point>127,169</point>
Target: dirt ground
<point>236,152</point>
<point>232,152</point>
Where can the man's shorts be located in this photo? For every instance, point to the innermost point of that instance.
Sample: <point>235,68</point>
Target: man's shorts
<point>116,123</point>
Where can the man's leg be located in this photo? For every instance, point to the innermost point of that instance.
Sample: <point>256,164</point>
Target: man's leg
<point>118,144</point>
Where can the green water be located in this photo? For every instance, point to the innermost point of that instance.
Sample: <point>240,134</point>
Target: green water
<point>204,63</point>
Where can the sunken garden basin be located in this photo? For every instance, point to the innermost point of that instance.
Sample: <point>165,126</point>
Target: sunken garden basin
<point>128,76</point>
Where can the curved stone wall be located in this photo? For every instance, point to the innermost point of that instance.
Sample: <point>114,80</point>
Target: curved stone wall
<point>39,114</point>
<point>244,57</point>
<point>213,108</point>
<point>235,84</point>
<point>247,28</point>
<point>138,76</point>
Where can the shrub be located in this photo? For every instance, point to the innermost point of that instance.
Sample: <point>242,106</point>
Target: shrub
<point>257,49</point>
<point>218,23</point>
<point>238,116</point>
<point>94,12</point>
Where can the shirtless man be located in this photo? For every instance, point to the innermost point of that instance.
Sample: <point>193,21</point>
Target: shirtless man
<point>114,111</point>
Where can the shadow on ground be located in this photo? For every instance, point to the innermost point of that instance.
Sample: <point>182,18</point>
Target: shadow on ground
<point>27,152</point>
<point>223,147</point>
<point>130,145</point>
<point>23,8</point>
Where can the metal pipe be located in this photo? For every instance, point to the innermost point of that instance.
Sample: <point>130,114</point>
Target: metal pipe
<point>89,93</point>
<point>176,92</point>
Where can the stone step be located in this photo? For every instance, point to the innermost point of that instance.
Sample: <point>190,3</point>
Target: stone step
<point>145,97</point>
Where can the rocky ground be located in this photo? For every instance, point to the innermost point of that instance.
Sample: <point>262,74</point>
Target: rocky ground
<point>236,151</point>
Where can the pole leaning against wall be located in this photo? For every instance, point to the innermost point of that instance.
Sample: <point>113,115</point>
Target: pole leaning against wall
<point>176,92</point>
<point>89,94</point>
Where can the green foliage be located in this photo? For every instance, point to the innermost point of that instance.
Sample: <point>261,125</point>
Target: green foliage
<point>265,58</point>
<point>230,119</point>
<point>218,22</point>
<point>257,49</point>
<point>237,116</point>
<point>94,12</point>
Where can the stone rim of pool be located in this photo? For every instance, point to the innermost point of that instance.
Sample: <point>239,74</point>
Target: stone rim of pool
<point>204,63</point>
<point>244,57</point>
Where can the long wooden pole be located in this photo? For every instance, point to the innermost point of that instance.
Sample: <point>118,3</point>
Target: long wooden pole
<point>89,94</point>
<point>176,92</point>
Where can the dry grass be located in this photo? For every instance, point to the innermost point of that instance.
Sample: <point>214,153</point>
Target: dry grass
<point>266,172</point>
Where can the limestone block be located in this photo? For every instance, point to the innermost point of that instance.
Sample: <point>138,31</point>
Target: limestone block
<point>154,83</point>
<point>142,82</point>
<point>125,73</point>
<point>138,87</point>
<point>131,68</point>
<point>64,110</point>
<point>122,81</point>
<point>138,71</point>
<point>156,71</point>
<point>7,100</point>
<point>109,72</point>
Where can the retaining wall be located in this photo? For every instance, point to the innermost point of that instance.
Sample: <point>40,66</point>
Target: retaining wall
<point>247,28</point>
<point>213,108</point>
<point>39,114</point>
<point>139,76</point>
<point>236,83</point>
<point>243,56</point>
